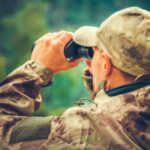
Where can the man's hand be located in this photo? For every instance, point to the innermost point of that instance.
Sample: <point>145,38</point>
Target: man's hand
<point>49,51</point>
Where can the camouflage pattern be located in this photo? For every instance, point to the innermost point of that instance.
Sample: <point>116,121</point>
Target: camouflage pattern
<point>19,98</point>
<point>114,123</point>
<point>125,35</point>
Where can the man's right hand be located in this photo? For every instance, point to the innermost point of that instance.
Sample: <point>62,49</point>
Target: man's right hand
<point>49,51</point>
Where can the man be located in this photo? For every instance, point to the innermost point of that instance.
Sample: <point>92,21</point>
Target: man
<point>118,77</point>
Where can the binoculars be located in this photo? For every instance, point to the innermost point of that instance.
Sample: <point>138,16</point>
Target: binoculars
<point>74,51</point>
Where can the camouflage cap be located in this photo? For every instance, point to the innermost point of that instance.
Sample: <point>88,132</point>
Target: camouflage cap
<point>126,37</point>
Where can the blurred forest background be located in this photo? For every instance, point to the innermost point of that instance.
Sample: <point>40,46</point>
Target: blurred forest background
<point>23,21</point>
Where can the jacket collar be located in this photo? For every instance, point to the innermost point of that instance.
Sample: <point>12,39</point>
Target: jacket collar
<point>140,81</point>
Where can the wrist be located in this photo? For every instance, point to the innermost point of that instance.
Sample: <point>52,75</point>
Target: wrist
<point>42,71</point>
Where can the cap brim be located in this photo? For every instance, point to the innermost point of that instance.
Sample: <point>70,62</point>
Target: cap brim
<point>86,36</point>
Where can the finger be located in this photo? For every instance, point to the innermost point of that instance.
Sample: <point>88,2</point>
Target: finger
<point>49,36</point>
<point>75,63</point>
<point>56,34</point>
<point>95,48</point>
<point>65,38</point>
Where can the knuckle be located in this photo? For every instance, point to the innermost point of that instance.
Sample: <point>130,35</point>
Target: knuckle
<point>48,41</point>
<point>68,35</point>
<point>57,43</point>
<point>46,36</point>
<point>53,44</point>
<point>60,42</point>
<point>54,34</point>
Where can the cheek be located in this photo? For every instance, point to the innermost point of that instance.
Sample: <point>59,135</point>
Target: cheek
<point>96,66</point>
<point>97,74</point>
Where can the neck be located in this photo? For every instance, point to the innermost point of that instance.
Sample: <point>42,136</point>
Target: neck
<point>118,78</point>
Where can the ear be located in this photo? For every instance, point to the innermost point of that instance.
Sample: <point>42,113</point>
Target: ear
<point>107,64</point>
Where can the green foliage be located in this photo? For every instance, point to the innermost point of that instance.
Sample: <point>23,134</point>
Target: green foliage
<point>24,21</point>
<point>2,66</point>
<point>23,28</point>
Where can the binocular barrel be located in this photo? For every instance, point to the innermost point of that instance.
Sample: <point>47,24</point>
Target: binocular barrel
<point>74,51</point>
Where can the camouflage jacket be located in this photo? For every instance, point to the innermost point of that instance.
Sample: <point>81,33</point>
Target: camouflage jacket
<point>120,122</point>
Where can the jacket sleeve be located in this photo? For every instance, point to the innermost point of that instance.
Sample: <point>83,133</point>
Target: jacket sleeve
<point>19,98</point>
<point>20,90</point>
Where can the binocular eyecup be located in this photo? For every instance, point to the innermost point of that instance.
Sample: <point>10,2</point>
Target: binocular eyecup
<point>74,51</point>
